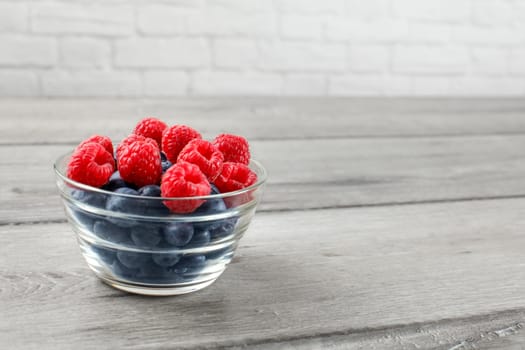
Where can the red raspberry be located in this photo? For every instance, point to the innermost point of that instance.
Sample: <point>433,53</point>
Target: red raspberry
<point>235,176</point>
<point>184,180</point>
<point>175,138</point>
<point>103,140</point>
<point>235,148</point>
<point>205,155</point>
<point>134,138</point>
<point>152,128</point>
<point>139,163</point>
<point>91,164</point>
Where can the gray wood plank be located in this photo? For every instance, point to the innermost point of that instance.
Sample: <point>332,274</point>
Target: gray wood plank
<point>497,331</point>
<point>358,270</point>
<point>508,338</point>
<point>320,174</point>
<point>67,121</point>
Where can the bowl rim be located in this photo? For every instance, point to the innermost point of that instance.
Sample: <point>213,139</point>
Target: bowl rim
<point>262,176</point>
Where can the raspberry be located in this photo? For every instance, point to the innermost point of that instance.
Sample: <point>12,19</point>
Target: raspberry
<point>103,140</point>
<point>184,180</point>
<point>139,162</point>
<point>235,148</point>
<point>205,155</point>
<point>175,138</point>
<point>134,138</point>
<point>235,176</point>
<point>91,164</point>
<point>152,128</point>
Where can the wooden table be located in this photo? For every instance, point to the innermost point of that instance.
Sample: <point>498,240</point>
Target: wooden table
<point>386,224</point>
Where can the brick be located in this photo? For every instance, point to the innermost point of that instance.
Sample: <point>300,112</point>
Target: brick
<point>368,85</point>
<point>162,53</point>
<point>14,83</point>
<point>161,19</point>
<point>430,86</point>
<point>248,6</point>
<point>91,83</point>
<point>85,53</point>
<point>13,17</point>
<point>517,61</point>
<point>487,35</point>
<point>487,86</point>
<point>378,31</point>
<point>83,18</point>
<point>27,51</point>
<point>305,85</point>
<point>311,6</point>
<point>434,10</point>
<point>519,11</point>
<point>427,33</point>
<point>492,11</point>
<point>430,60</point>
<point>235,53</point>
<point>489,60</point>
<point>235,83</point>
<point>368,58</point>
<point>367,10</point>
<point>287,56</point>
<point>165,83</point>
<point>301,27</point>
<point>221,21</point>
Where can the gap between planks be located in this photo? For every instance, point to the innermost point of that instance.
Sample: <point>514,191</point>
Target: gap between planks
<point>335,207</point>
<point>476,330</point>
<point>307,138</point>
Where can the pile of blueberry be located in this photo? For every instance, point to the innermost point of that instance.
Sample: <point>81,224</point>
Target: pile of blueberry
<point>144,248</point>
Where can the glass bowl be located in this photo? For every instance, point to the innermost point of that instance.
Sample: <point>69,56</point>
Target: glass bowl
<point>136,244</point>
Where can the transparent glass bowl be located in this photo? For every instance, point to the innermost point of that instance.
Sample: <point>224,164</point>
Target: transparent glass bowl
<point>135,244</point>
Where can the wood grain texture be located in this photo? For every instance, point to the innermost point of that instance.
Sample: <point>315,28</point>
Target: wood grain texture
<point>500,331</point>
<point>359,270</point>
<point>326,173</point>
<point>68,121</point>
<point>444,270</point>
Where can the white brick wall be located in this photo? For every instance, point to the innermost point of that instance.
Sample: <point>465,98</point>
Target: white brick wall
<point>262,47</point>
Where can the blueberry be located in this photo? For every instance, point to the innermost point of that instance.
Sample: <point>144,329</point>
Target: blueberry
<point>123,205</point>
<point>155,208</point>
<point>224,253</point>
<point>133,260</point>
<point>115,182</point>
<point>222,228</point>
<point>105,254</point>
<point>163,157</point>
<point>152,207</point>
<point>92,198</point>
<point>178,234</point>
<point>166,164</point>
<point>121,270</point>
<point>153,273</point>
<point>200,237</point>
<point>146,235</point>
<point>111,232</point>
<point>89,198</point>
<point>83,218</point>
<point>166,259</point>
<point>190,264</point>
<point>211,206</point>
<point>150,191</point>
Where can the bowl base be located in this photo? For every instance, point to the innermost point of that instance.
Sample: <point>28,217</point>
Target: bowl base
<point>156,290</point>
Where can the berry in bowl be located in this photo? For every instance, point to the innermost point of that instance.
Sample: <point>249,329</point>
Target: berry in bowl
<point>164,213</point>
